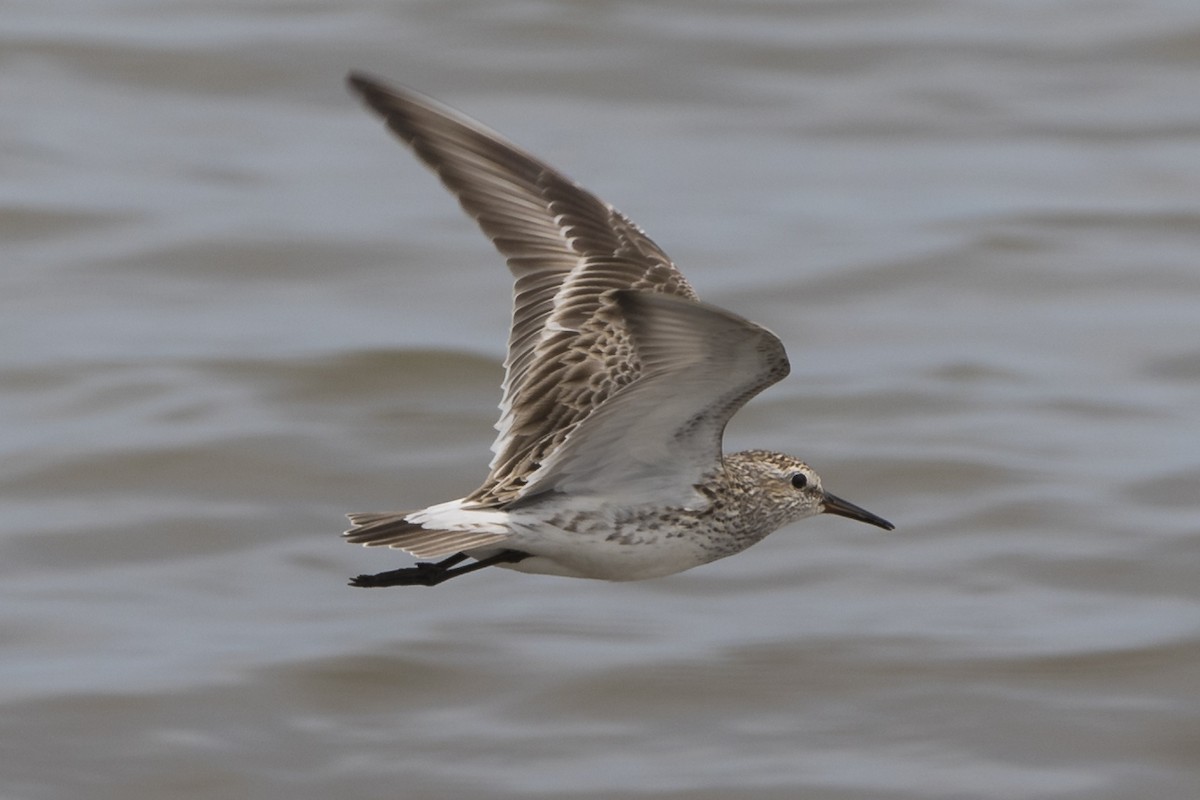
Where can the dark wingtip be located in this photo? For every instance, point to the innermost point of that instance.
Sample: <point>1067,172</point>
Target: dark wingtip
<point>360,81</point>
<point>369,88</point>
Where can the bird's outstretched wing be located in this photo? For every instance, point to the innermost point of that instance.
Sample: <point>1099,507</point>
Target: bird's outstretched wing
<point>569,350</point>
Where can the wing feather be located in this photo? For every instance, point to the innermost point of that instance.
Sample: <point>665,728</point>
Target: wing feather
<point>569,251</point>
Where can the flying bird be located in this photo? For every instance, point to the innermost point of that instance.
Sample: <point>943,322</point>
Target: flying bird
<point>618,385</point>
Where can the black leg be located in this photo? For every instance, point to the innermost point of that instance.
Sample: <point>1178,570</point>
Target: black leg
<point>427,573</point>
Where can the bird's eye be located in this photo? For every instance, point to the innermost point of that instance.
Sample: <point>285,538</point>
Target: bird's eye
<point>799,480</point>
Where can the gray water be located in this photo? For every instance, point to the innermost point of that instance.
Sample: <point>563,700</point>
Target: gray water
<point>233,309</point>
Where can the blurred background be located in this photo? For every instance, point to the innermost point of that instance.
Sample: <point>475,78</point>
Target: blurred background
<point>233,308</point>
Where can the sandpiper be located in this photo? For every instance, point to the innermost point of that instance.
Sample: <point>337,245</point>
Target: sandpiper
<point>619,383</point>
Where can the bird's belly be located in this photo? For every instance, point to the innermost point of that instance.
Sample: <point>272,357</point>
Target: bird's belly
<point>605,555</point>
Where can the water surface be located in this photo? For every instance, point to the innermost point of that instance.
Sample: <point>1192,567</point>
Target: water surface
<point>235,309</point>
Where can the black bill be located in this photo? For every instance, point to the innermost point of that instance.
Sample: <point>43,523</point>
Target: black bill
<point>836,505</point>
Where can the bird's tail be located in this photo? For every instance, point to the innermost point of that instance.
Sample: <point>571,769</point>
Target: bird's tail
<point>432,532</point>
